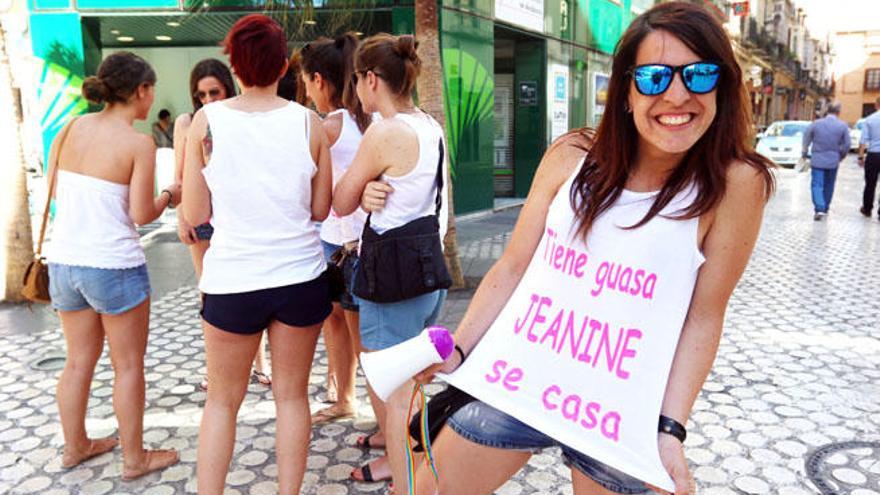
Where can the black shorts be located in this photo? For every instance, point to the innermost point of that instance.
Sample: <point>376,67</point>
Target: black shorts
<point>297,305</point>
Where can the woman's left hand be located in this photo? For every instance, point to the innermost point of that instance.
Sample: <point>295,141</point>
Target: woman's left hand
<point>672,456</point>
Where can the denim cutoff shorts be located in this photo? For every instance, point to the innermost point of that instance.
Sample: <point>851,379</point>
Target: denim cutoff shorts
<point>346,300</point>
<point>483,424</point>
<point>106,290</point>
<point>386,324</point>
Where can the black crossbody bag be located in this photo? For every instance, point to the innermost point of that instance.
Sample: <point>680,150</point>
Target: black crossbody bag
<point>406,261</point>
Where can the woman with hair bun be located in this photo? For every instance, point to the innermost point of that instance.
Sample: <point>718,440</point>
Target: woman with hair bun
<point>103,174</point>
<point>399,170</point>
<point>327,67</point>
<point>258,166</point>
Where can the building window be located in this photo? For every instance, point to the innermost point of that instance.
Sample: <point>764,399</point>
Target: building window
<point>872,79</point>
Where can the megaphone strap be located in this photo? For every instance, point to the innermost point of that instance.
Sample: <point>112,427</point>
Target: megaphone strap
<point>419,390</point>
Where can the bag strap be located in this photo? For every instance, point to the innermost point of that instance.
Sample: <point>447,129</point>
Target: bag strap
<point>439,200</point>
<point>53,166</point>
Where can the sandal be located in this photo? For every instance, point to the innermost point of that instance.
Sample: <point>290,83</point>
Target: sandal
<point>260,377</point>
<point>366,473</point>
<point>366,443</point>
<point>97,447</point>
<point>331,413</point>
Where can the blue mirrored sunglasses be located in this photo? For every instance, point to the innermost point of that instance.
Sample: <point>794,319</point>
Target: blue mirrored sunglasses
<point>698,77</point>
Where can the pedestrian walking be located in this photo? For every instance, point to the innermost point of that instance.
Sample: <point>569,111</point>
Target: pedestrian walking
<point>327,68</point>
<point>163,130</point>
<point>668,182</point>
<point>869,157</point>
<point>258,166</point>
<point>103,174</point>
<point>400,170</point>
<point>209,81</point>
<point>830,141</point>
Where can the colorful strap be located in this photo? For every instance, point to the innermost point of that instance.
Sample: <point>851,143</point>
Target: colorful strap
<point>419,390</point>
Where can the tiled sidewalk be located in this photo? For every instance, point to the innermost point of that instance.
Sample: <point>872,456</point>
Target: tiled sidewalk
<point>795,391</point>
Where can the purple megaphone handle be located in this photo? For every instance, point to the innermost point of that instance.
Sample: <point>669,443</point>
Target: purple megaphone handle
<point>442,340</point>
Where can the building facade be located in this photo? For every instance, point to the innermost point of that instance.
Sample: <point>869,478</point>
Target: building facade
<point>518,73</point>
<point>786,70</point>
<point>857,74</point>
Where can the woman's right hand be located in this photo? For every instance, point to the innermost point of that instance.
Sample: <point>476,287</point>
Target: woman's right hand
<point>375,193</point>
<point>185,231</point>
<point>451,364</point>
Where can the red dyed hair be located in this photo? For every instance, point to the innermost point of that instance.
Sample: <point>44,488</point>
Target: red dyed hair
<point>257,49</point>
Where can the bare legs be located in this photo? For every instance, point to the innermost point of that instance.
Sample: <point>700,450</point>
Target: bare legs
<point>197,252</point>
<point>293,425</point>
<point>468,467</point>
<point>127,336</point>
<point>229,356</point>
<point>85,341</point>
<point>342,336</point>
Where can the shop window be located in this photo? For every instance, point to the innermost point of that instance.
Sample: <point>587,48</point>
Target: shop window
<point>872,80</point>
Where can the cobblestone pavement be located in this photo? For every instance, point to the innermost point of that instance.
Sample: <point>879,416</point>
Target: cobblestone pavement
<point>794,393</point>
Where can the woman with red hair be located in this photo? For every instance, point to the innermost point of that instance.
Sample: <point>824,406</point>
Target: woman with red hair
<point>264,186</point>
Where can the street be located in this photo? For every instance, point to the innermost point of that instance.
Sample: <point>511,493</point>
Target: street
<point>792,405</point>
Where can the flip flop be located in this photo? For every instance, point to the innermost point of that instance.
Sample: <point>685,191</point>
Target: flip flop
<point>367,474</point>
<point>364,442</point>
<point>261,377</point>
<point>330,414</point>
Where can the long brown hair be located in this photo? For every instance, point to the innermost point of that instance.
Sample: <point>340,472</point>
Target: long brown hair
<point>611,151</point>
<point>210,67</point>
<point>334,60</point>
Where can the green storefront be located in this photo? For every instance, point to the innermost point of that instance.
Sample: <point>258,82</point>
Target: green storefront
<point>518,72</point>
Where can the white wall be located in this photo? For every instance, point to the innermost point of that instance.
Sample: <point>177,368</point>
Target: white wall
<point>172,66</point>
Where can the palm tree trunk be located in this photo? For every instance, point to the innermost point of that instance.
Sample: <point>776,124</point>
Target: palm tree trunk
<point>430,88</point>
<point>16,240</point>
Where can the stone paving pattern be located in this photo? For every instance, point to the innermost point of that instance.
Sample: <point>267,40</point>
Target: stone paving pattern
<point>797,372</point>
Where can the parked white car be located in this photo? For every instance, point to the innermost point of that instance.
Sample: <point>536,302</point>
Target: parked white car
<point>781,142</point>
<point>855,134</point>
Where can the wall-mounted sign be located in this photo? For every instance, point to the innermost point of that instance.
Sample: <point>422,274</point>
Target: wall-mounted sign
<point>600,96</point>
<point>528,93</point>
<point>525,13</point>
<point>558,77</point>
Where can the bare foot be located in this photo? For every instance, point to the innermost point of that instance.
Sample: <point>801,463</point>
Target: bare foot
<point>71,458</point>
<point>153,460</point>
<point>334,412</point>
<point>332,394</point>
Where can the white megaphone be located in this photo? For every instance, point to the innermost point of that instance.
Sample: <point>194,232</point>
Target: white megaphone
<point>392,367</point>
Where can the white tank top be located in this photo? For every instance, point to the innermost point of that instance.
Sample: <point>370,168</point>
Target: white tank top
<point>260,179</point>
<point>92,225</point>
<point>415,192</point>
<point>335,229</point>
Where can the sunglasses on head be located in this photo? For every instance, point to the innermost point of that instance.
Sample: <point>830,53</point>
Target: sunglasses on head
<point>213,93</point>
<point>698,77</point>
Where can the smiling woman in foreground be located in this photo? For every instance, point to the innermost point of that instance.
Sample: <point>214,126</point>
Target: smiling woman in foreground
<point>669,184</point>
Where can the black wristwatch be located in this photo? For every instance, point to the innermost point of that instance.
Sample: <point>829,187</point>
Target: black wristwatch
<point>672,427</point>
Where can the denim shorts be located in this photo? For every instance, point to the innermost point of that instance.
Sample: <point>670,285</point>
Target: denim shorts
<point>297,305</point>
<point>204,231</point>
<point>106,290</point>
<point>346,300</point>
<point>483,424</point>
<point>386,324</point>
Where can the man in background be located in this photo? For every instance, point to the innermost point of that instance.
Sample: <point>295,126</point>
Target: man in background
<point>830,139</point>
<point>869,157</point>
<point>163,130</point>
